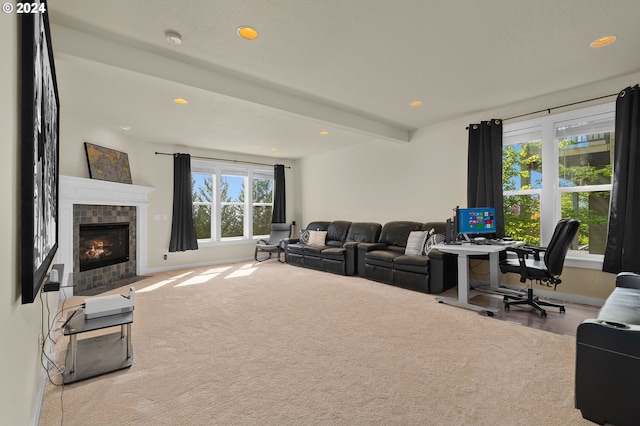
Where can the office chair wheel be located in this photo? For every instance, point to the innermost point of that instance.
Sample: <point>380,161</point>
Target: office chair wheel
<point>562,309</point>
<point>506,307</point>
<point>543,313</point>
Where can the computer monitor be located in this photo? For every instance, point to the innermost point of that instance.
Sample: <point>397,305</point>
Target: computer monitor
<point>476,220</point>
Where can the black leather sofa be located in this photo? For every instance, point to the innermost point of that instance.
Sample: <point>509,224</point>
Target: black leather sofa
<point>375,252</point>
<point>339,252</point>
<point>608,358</point>
<point>385,260</point>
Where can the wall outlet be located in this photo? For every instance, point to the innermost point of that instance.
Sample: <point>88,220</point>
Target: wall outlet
<point>165,256</point>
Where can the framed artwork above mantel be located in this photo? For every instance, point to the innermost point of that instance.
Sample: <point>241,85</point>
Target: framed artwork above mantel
<point>107,164</point>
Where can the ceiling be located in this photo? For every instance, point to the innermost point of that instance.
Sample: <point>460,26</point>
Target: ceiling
<point>350,68</point>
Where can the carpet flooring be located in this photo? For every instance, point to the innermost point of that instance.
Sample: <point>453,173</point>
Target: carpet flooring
<point>274,344</point>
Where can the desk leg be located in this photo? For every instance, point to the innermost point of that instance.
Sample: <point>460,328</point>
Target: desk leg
<point>73,343</point>
<point>463,290</point>
<point>494,276</point>
<point>129,347</point>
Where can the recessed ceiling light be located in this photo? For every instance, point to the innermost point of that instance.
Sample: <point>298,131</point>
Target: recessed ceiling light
<point>173,37</point>
<point>324,132</point>
<point>415,103</point>
<point>125,127</point>
<point>181,101</point>
<point>274,149</point>
<point>604,41</point>
<point>248,33</point>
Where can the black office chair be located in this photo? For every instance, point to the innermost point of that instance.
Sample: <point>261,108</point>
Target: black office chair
<point>279,232</point>
<point>544,271</point>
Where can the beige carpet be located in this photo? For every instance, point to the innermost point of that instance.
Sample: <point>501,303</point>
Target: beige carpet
<point>274,344</point>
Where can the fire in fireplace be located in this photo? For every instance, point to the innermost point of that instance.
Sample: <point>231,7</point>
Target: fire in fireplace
<point>103,244</point>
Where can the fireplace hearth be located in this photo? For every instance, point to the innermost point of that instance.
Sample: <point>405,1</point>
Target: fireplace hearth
<point>103,244</point>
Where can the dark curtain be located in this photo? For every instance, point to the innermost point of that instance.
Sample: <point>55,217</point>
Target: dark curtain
<point>623,239</point>
<point>279,196</point>
<point>183,230</point>
<point>484,179</point>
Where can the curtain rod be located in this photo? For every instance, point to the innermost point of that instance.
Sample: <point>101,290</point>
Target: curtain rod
<point>222,159</point>
<point>561,106</point>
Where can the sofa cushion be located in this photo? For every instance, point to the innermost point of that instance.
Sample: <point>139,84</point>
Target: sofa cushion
<point>418,264</point>
<point>295,248</point>
<point>382,257</point>
<point>317,238</point>
<point>364,232</point>
<point>415,243</point>
<point>621,307</point>
<point>313,250</point>
<point>334,253</point>
<point>337,230</point>
<point>318,226</point>
<point>440,227</point>
<point>396,233</point>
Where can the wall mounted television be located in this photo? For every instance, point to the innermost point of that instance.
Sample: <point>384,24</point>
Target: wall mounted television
<point>39,147</point>
<point>476,220</point>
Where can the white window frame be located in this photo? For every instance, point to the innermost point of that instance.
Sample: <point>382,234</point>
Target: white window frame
<point>551,192</point>
<point>246,171</point>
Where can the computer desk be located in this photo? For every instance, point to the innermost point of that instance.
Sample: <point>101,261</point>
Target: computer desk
<point>464,251</point>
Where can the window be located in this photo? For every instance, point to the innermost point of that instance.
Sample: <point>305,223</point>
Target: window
<point>559,166</point>
<point>231,202</point>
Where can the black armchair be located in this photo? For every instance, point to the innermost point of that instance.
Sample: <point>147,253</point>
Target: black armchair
<point>545,270</point>
<point>279,232</point>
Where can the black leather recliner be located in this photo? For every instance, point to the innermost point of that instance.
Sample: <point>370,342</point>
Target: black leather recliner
<point>339,252</point>
<point>385,261</point>
<point>608,358</point>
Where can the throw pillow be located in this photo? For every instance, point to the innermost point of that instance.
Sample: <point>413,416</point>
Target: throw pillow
<point>415,243</point>
<point>317,238</point>
<point>432,240</point>
<point>304,236</point>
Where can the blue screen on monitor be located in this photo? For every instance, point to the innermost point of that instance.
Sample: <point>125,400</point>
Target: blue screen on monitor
<point>477,220</point>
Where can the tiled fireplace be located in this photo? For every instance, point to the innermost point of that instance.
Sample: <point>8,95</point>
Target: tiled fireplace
<point>101,254</point>
<point>103,232</point>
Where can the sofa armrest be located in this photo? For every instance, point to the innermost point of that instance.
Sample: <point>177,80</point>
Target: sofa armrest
<point>365,247</point>
<point>362,250</point>
<point>443,271</point>
<point>351,257</point>
<point>628,280</point>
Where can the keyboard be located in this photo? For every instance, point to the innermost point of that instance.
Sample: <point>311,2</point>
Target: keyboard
<point>493,242</point>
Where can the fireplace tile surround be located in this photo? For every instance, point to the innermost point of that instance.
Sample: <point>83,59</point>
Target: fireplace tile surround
<point>91,214</point>
<point>85,200</point>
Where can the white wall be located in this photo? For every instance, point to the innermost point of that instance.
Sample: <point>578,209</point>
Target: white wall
<point>20,369</point>
<point>156,171</point>
<point>426,178</point>
<point>382,181</point>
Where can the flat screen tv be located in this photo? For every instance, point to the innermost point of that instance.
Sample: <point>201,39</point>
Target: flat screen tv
<point>476,220</point>
<point>39,116</point>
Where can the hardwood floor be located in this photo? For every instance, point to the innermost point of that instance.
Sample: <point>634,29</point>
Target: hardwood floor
<point>560,323</point>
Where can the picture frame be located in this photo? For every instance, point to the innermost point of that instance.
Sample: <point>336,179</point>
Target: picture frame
<point>107,164</point>
<point>40,151</point>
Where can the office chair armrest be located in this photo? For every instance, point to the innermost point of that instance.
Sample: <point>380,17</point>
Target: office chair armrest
<point>522,252</point>
<point>262,241</point>
<point>536,251</point>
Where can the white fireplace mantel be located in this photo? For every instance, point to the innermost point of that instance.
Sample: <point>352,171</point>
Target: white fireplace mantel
<point>76,190</point>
